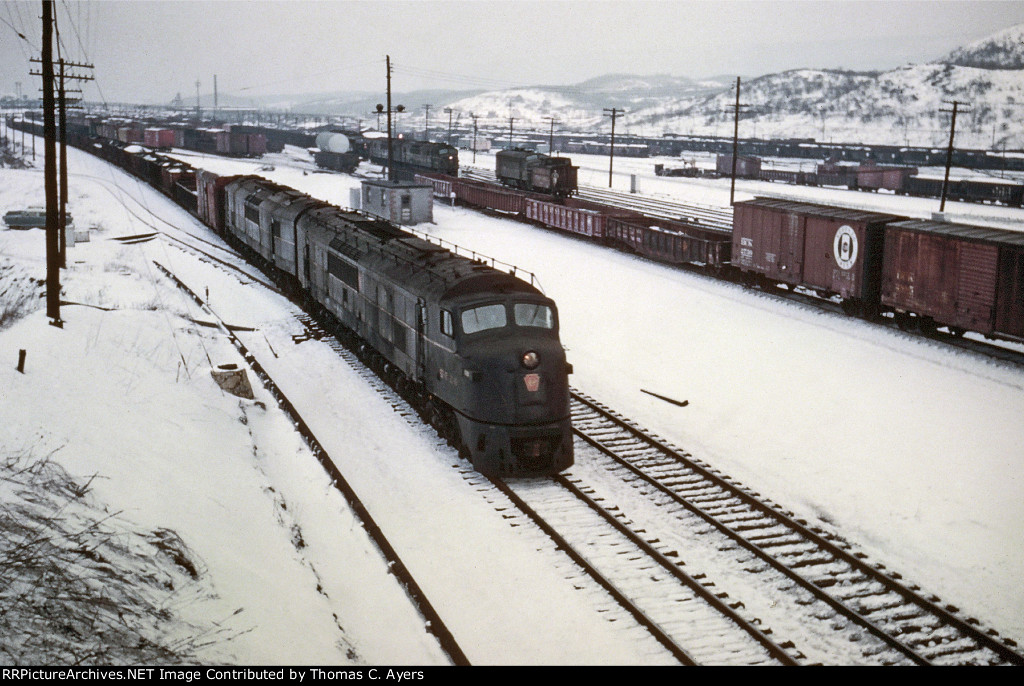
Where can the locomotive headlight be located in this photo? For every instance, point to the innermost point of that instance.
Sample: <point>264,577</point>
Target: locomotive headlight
<point>530,360</point>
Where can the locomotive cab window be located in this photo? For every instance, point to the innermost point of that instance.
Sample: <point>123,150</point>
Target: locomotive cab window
<point>447,324</point>
<point>534,314</point>
<point>484,317</point>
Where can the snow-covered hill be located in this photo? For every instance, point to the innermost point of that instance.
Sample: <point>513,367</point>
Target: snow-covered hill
<point>1001,50</point>
<point>908,105</point>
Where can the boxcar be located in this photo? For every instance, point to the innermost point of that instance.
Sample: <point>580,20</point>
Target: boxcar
<point>968,278</point>
<point>831,250</point>
<point>158,138</point>
<point>874,178</point>
<point>746,167</point>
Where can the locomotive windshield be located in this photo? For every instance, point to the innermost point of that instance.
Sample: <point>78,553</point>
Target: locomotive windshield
<point>495,316</point>
<point>483,318</point>
<point>534,314</point>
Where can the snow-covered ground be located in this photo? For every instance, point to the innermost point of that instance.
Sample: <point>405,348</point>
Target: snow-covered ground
<point>909,449</point>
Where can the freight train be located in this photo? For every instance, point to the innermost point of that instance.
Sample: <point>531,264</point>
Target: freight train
<point>924,274</point>
<point>475,349</point>
<point>901,180</point>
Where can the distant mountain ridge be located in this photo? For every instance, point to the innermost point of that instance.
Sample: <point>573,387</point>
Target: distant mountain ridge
<point>902,106</point>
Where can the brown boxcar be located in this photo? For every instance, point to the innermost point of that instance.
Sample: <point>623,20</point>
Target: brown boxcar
<point>831,250</point>
<point>872,177</point>
<point>158,138</point>
<point>968,278</point>
<point>210,201</point>
<point>746,167</point>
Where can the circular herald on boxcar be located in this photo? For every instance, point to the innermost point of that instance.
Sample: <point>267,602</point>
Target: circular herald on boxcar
<point>844,246</point>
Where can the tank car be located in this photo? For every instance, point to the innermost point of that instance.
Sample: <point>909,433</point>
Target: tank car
<point>532,171</point>
<point>476,349</point>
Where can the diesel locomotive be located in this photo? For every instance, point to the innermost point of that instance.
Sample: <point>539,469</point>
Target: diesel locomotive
<point>474,348</point>
<point>533,171</point>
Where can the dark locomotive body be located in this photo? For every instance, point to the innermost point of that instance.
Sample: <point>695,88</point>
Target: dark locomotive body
<point>477,347</point>
<point>411,157</point>
<point>532,171</point>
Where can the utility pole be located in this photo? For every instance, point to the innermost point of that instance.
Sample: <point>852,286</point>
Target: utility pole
<point>215,96</point>
<point>551,135</point>
<point>949,152</point>
<point>50,173</point>
<point>475,117</point>
<point>62,123</point>
<point>448,111</point>
<point>426,122</point>
<point>510,121</point>
<point>613,113</point>
<point>380,109</point>
<point>735,141</point>
<point>198,113</point>
<point>62,91</point>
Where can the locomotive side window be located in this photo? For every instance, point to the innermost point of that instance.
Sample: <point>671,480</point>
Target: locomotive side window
<point>447,325</point>
<point>483,318</point>
<point>532,314</point>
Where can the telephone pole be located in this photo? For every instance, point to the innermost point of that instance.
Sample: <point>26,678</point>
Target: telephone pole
<point>475,117</point>
<point>613,113</point>
<point>426,122</point>
<point>50,173</point>
<point>62,102</point>
<point>380,108</point>
<point>448,111</point>
<point>551,135</point>
<point>949,152</point>
<point>735,141</point>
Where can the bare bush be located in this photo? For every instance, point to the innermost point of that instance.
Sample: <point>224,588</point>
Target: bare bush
<point>79,586</point>
<point>20,293</point>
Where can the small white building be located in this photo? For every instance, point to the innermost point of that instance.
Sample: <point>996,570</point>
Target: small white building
<point>400,202</point>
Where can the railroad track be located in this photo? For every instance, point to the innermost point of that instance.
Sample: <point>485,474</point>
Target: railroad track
<point>680,612</point>
<point>894,623</point>
<point>684,614</point>
<point>688,618</point>
<point>434,623</point>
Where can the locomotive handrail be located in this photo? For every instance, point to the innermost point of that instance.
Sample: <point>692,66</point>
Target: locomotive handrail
<point>476,257</point>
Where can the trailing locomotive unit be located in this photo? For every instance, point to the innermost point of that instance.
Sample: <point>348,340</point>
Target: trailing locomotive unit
<point>414,157</point>
<point>532,171</point>
<point>475,348</point>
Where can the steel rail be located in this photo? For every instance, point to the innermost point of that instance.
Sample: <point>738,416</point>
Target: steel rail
<point>964,626</point>
<point>434,624</point>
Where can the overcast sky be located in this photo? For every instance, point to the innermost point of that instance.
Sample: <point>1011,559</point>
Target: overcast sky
<point>148,51</point>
